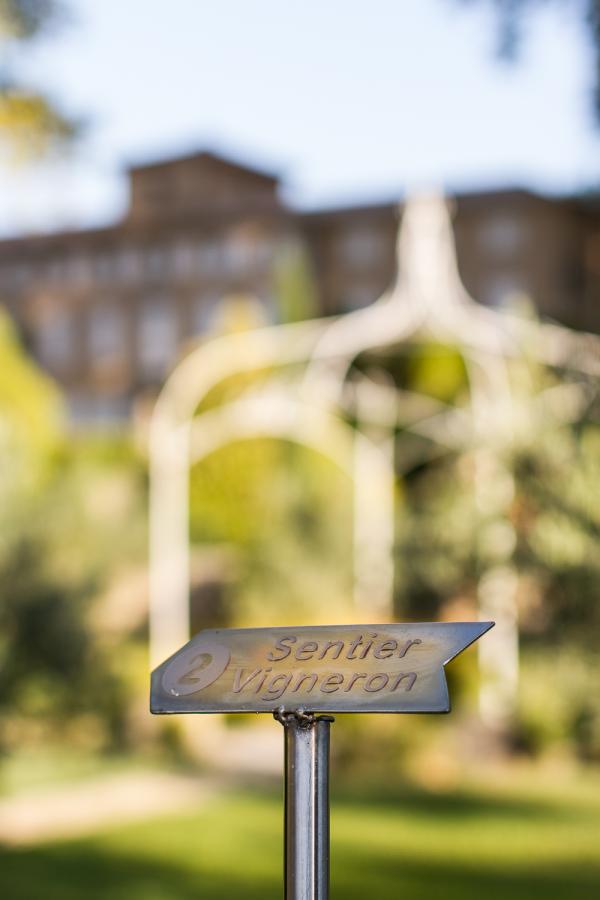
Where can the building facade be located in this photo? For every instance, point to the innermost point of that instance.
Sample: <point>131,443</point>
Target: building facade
<point>107,312</point>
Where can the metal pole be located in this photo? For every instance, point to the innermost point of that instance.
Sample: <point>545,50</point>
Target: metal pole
<point>322,805</point>
<point>306,841</point>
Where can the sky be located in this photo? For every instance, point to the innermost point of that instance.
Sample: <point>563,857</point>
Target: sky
<point>347,100</point>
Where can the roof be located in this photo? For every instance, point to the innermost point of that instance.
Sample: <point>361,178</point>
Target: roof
<point>206,156</point>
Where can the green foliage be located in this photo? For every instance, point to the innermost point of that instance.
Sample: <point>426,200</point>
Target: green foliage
<point>436,540</point>
<point>287,511</point>
<point>558,707</point>
<point>445,541</point>
<point>436,370</point>
<point>546,530</point>
<point>26,19</point>
<point>45,644</point>
<point>31,125</point>
<point>30,404</point>
<point>60,503</point>
<point>295,286</point>
<point>288,516</point>
<point>558,527</point>
<point>427,367</point>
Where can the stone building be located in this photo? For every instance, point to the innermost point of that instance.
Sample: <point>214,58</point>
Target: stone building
<point>108,311</point>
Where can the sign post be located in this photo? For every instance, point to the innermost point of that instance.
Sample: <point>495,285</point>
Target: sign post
<point>301,675</point>
<point>306,818</point>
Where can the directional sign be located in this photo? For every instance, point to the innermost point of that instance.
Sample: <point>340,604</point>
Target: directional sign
<point>338,668</point>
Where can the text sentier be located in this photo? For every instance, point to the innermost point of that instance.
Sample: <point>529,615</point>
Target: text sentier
<point>273,686</point>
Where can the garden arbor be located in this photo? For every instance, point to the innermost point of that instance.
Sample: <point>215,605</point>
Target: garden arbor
<point>314,396</point>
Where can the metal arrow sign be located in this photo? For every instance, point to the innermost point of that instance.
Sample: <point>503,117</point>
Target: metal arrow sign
<point>340,668</point>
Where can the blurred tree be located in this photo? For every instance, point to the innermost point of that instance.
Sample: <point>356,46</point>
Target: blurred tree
<point>442,546</point>
<point>53,667</point>
<point>295,286</point>
<point>31,123</point>
<point>30,404</point>
<point>284,508</point>
<point>511,17</point>
<point>53,557</point>
<point>287,512</point>
<point>549,538</point>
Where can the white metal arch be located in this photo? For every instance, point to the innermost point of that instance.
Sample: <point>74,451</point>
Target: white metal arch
<point>268,412</point>
<point>427,300</point>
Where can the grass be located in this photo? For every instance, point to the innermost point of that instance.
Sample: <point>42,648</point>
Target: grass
<point>497,841</point>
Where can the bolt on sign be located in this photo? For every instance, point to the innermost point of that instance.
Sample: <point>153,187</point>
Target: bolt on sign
<point>325,669</point>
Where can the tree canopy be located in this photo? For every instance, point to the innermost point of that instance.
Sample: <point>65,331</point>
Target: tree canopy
<point>31,123</point>
<point>511,16</point>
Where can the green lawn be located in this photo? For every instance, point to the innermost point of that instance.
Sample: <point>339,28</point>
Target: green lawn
<point>498,843</point>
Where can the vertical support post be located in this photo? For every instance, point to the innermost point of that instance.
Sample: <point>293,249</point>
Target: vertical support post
<point>306,823</point>
<point>322,727</point>
<point>169,543</point>
<point>373,523</point>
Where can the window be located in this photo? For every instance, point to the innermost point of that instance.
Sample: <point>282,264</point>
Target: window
<point>56,339</point>
<point>80,269</point>
<point>157,262</point>
<point>54,270</point>
<point>209,257</point>
<point>239,252</point>
<point>15,277</point>
<point>264,252</point>
<point>245,249</point>
<point>203,313</point>
<point>128,265</point>
<point>503,235</point>
<point>183,259</point>
<point>157,337</point>
<point>359,247</point>
<point>104,266</point>
<point>106,332</point>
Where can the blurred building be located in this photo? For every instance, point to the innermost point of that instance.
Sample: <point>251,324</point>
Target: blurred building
<point>108,311</point>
